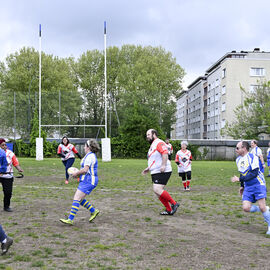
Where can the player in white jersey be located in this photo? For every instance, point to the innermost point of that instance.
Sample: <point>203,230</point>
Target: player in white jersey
<point>67,152</point>
<point>160,168</point>
<point>257,151</point>
<point>183,160</point>
<point>253,188</point>
<point>268,159</point>
<point>170,148</point>
<point>7,178</point>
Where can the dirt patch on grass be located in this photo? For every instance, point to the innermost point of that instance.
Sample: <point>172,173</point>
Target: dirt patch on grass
<point>129,233</point>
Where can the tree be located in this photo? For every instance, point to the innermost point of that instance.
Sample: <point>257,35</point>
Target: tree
<point>253,117</point>
<point>19,75</point>
<point>132,139</point>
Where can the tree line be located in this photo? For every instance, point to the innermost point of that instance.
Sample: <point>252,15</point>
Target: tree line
<point>143,84</point>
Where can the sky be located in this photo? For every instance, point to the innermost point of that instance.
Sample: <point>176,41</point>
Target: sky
<point>196,32</point>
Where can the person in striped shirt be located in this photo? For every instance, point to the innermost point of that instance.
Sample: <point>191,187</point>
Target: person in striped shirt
<point>88,182</point>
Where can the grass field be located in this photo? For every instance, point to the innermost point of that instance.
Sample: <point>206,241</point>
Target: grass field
<point>209,231</point>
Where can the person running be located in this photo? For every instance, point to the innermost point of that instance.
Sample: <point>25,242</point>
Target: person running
<point>66,151</point>
<point>160,168</point>
<point>255,150</point>
<point>183,160</point>
<point>88,181</point>
<point>170,149</point>
<point>5,240</point>
<point>268,159</point>
<point>253,188</point>
<point>7,178</point>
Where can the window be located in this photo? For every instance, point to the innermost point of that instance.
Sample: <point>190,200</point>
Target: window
<point>216,97</point>
<point>223,90</point>
<point>223,123</point>
<point>223,73</point>
<point>257,72</point>
<point>253,88</point>
<point>223,108</point>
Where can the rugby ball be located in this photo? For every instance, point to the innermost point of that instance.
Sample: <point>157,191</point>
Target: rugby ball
<point>72,170</point>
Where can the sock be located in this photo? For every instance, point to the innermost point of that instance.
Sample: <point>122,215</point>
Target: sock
<point>165,194</point>
<point>87,205</point>
<point>4,241</point>
<point>74,209</point>
<point>188,182</point>
<point>184,184</point>
<point>254,208</point>
<point>165,203</point>
<point>266,216</point>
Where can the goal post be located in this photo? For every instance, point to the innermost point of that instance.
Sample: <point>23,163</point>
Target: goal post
<point>106,149</point>
<point>39,148</point>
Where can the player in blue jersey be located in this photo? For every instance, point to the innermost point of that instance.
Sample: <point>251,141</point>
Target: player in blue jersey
<point>268,159</point>
<point>88,181</point>
<point>5,240</point>
<point>253,188</point>
<point>257,151</point>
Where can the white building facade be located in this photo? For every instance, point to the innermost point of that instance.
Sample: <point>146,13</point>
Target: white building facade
<point>211,99</point>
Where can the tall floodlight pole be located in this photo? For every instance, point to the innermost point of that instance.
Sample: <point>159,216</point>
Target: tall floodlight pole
<point>39,114</point>
<point>105,79</point>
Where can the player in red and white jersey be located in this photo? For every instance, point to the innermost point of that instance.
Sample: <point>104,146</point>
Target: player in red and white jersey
<point>160,168</point>
<point>66,151</point>
<point>183,160</point>
<point>170,149</point>
<point>7,178</point>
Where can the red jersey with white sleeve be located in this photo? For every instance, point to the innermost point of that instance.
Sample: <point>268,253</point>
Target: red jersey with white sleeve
<point>11,161</point>
<point>184,159</point>
<point>154,156</point>
<point>67,150</point>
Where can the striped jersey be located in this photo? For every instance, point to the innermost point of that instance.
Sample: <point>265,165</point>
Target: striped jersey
<point>90,159</point>
<point>67,150</point>
<point>248,163</point>
<point>154,156</point>
<point>184,159</point>
<point>11,161</point>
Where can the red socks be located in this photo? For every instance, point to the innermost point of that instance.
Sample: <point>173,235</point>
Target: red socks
<point>185,184</point>
<point>166,198</point>
<point>188,182</point>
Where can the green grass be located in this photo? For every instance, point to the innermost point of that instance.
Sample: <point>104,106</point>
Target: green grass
<point>42,197</point>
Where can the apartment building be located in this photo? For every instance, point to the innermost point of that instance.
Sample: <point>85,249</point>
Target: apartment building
<point>211,99</point>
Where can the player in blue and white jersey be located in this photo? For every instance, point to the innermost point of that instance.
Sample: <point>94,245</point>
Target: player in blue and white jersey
<point>257,151</point>
<point>88,181</point>
<point>253,188</point>
<point>268,159</point>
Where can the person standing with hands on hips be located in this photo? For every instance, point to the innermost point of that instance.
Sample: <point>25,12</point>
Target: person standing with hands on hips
<point>253,188</point>
<point>7,178</point>
<point>160,168</point>
<point>183,160</point>
<point>66,151</point>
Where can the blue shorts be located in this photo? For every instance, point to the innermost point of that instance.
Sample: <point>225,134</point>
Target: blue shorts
<point>86,187</point>
<point>254,193</point>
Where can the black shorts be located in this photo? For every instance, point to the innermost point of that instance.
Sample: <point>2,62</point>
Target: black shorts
<point>185,175</point>
<point>161,178</point>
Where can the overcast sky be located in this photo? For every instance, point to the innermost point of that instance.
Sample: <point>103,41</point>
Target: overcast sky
<point>196,32</point>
